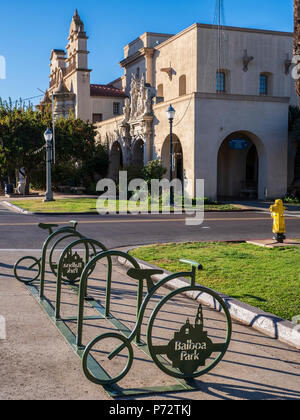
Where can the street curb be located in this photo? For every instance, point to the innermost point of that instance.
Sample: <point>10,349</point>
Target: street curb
<point>15,208</point>
<point>266,323</point>
<point>31,213</point>
<point>91,213</point>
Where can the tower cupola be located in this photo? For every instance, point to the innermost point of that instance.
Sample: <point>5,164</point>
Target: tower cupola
<point>77,53</point>
<point>77,25</point>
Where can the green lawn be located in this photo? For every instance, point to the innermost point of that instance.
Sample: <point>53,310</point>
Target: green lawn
<point>79,205</point>
<point>265,278</point>
<point>59,206</point>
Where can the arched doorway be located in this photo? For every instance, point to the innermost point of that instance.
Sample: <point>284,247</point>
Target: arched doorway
<point>116,161</point>
<point>238,167</point>
<point>138,153</point>
<point>177,157</point>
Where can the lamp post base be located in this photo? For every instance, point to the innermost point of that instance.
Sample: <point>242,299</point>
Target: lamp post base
<point>48,198</point>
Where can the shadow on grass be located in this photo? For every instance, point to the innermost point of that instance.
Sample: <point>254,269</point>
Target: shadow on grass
<point>259,299</point>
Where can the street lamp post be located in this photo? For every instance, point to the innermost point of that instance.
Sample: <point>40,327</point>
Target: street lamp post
<point>48,138</point>
<point>171,115</point>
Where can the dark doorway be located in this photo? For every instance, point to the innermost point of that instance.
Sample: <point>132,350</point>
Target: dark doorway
<point>252,169</point>
<point>116,161</point>
<point>177,158</point>
<point>238,168</point>
<point>138,154</point>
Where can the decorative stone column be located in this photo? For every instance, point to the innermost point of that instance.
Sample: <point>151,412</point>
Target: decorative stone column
<point>148,132</point>
<point>124,133</point>
<point>149,53</point>
<point>63,101</point>
<point>139,114</point>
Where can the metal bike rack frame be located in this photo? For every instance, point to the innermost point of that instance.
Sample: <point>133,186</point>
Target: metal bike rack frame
<point>92,369</point>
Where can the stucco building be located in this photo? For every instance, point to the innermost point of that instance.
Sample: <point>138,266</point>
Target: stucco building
<point>231,89</point>
<point>70,83</point>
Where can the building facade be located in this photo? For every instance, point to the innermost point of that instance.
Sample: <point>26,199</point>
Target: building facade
<point>231,89</point>
<point>70,84</point>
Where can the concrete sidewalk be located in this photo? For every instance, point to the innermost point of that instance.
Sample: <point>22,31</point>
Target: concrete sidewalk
<point>37,363</point>
<point>264,206</point>
<point>58,196</point>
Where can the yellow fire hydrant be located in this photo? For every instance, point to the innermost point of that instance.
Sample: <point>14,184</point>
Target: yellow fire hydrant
<point>279,229</point>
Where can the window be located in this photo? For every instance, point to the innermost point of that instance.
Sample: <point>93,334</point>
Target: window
<point>97,118</point>
<point>263,84</point>
<point>160,91</point>
<point>116,108</point>
<point>182,85</point>
<point>221,82</point>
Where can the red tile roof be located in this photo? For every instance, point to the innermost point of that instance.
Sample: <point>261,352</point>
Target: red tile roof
<point>107,90</point>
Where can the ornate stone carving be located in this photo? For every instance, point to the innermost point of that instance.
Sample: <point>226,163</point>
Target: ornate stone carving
<point>138,114</point>
<point>247,60</point>
<point>141,99</point>
<point>148,103</point>
<point>287,64</point>
<point>127,110</point>
<point>63,99</point>
<point>169,72</point>
<point>137,122</point>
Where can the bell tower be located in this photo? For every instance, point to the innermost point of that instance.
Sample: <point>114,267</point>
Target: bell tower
<point>77,74</point>
<point>77,54</point>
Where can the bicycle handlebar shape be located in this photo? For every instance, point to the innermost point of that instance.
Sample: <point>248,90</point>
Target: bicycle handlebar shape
<point>49,227</point>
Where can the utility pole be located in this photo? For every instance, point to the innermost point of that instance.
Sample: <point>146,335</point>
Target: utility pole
<point>53,157</point>
<point>219,19</point>
<point>53,131</point>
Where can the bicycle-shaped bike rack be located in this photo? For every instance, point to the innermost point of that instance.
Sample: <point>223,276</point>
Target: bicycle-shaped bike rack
<point>190,354</point>
<point>37,266</point>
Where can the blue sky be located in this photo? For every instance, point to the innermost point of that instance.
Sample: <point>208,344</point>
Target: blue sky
<point>31,29</point>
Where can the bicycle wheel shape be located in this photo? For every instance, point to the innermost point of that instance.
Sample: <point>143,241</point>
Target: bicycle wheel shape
<point>54,250</point>
<point>105,374</point>
<point>73,264</point>
<point>27,269</point>
<point>189,352</point>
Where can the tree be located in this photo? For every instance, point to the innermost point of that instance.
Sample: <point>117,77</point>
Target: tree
<point>80,160</point>
<point>154,170</point>
<point>21,140</point>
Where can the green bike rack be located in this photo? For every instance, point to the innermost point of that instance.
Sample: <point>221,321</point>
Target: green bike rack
<point>59,235</point>
<point>184,375</point>
<point>187,356</point>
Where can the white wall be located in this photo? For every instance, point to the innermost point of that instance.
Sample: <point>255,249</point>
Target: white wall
<point>269,49</point>
<point>266,123</point>
<point>180,53</point>
<point>104,106</point>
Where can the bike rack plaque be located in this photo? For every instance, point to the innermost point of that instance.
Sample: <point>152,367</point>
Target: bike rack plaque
<point>73,266</point>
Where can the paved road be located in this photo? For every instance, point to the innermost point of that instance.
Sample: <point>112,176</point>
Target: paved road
<point>21,232</point>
